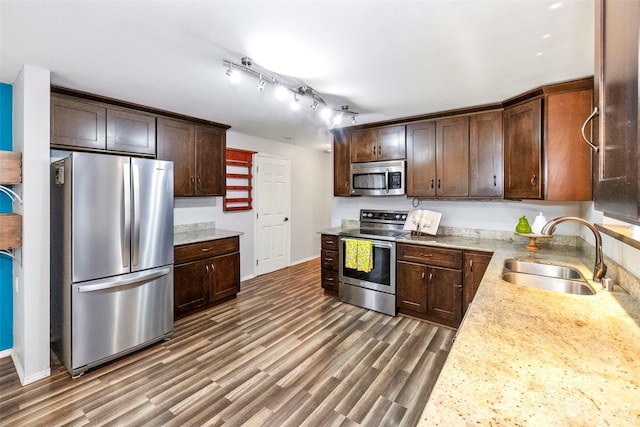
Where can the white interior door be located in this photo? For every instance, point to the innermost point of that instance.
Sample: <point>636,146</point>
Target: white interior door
<point>272,214</point>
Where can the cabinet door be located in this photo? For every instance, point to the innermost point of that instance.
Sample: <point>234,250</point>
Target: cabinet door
<point>190,286</point>
<point>475,265</point>
<point>522,151</point>
<point>617,42</point>
<point>421,159</point>
<point>452,157</point>
<point>364,145</point>
<point>78,123</point>
<point>131,132</point>
<point>176,143</point>
<point>392,143</point>
<point>485,155</point>
<point>411,286</point>
<point>210,160</point>
<point>567,157</point>
<point>444,290</point>
<point>341,164</point>
<point>225,276</point>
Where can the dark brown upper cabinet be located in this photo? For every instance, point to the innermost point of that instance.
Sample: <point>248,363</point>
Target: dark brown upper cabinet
<point>341,163</point>
<point>198,153</point>
<point>485,155</point>
<point>384,143</point>
<point>438,158</point>
<point>131,132</point>
<point>77,123</point>
<point>522,151</point>
<point>616,171</point>
<point>545,155</point>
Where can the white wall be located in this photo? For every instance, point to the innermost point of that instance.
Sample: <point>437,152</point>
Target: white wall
<point>487,215</point>
<point>311,193</point>
<point>31,272</point>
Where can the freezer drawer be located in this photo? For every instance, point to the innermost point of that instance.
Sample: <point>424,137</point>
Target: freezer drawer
<point>111,317</point>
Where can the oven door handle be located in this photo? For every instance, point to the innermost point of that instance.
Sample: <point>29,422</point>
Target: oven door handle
<point>386,181</point>
<point>377,244</point>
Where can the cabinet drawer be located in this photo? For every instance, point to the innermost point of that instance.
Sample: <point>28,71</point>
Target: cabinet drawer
<point>329,260</point>
<point>206,249</point>
<point>329,279</point>
<point>449,258</point>
<point>330,242</point>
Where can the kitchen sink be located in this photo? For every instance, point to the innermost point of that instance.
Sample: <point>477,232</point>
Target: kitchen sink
<point>550,277</point>
<point>549,270</point>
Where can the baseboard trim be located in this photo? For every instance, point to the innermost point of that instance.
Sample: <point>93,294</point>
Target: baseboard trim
<point>300,261</point>
<point>28,379</point>
<point>5,353</point>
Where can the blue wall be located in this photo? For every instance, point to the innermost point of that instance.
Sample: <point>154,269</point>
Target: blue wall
<point>6,273</point>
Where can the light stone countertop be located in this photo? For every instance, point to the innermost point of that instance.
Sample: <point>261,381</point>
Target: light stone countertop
<point>202,232</point>
<point>530,357</point>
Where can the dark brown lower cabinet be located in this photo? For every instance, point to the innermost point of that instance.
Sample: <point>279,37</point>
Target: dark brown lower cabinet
<point>437,284</point>
<point>475,265</point>
<point>205,274</point>
<point>429,283</point>
<point>329,263</point>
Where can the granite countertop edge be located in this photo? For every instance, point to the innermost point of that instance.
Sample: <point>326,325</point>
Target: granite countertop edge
<point>203,235</point>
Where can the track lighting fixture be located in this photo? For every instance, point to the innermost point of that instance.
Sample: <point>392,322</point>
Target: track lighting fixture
<point>353,120</point>
<point>283,90</point>
<point>261,84</point>
<point>295,103</point>
<point>234,75</point>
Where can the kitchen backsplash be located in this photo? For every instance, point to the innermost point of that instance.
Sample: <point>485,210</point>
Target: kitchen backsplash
<point>186,228</point>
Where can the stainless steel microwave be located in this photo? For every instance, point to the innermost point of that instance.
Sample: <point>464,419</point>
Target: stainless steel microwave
<point>378,178</point>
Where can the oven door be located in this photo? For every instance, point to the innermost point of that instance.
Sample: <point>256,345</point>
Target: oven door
<point>383,275</point>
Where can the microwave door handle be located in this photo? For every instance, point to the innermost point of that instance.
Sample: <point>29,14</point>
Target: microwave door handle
<point>386,180</point>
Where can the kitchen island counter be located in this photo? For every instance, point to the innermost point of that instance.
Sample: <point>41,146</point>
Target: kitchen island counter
<point>525,356</point>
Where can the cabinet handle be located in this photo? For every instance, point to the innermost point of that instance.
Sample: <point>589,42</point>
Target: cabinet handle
<point>430,277</point>
<point>426,255</point>
<point>379,150</point>
<point>438,182</point>
<point>206,249</point>
<point>206,268</point>
<point>431,182</point>
<point>471,265</point>
<point>328,259</point>
<point>410,303</point>
<point>374,150</point>
<point>533,181</point>
<point>595,113</point>
<point>423,275</point>
<point>213,267</point>
<point>459,286</point>
<point>495,183</point>
<point>329,279</point>
<point>193,180</point>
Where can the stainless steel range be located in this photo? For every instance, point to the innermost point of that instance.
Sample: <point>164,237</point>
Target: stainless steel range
<point>374,289</point>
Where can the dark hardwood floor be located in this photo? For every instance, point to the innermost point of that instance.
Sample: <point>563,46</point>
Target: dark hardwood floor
<point>281,354</point>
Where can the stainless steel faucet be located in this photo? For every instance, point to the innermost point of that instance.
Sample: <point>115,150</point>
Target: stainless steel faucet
<point>600,269</point>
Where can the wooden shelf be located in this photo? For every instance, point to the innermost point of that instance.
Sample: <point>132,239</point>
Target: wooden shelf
<point>10,167</point>
<point>238,195</point>
<point>10,231</point>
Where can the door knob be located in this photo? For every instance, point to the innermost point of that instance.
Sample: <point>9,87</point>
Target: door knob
<point>286,219</point>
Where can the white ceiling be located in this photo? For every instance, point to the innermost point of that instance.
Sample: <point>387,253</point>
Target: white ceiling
<point>385,59</point>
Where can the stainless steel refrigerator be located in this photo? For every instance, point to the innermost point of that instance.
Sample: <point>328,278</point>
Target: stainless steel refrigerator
<point>111,257</point>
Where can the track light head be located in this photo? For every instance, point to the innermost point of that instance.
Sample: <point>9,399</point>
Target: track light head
<point>295,103</point>
<point>314,105</point>
<point>261,84</point>
<point>353,120</point>
<point>233,74</point>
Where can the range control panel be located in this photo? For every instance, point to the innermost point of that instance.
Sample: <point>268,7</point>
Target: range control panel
<point>383,217</point>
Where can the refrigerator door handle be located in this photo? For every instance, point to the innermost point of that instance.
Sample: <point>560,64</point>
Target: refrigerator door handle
<point>130,279</point>
<point>125,237</point>
<point>136,213</point>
